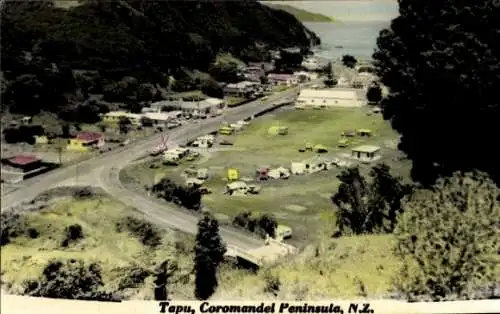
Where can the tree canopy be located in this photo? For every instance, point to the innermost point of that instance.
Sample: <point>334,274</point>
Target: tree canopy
<point>441,62</point>
<point>448,238</point>
<point>369,207</point>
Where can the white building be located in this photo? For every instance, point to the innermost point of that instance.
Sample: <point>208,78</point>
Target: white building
<point>241,88</point>
<point>322,98</point>
<point>115,116</point>
<point>282,79</point>
<point>162,117</point>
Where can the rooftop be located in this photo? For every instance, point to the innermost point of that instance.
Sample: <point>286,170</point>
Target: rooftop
<point>335,93</point>
<point>23,160</point>
<point>89,136</point>
<point>366,149</point>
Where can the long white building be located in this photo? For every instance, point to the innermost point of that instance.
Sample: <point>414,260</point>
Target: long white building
<point>334,97</point>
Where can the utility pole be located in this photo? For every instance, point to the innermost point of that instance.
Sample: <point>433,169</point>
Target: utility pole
<point>59,150</point>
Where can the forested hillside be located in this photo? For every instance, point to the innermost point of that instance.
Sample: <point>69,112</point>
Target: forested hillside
<point>53,56</point>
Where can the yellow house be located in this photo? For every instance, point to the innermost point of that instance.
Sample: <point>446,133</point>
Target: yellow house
<point>233,174</point>
<point>42,139</point>
<point>84,141</point>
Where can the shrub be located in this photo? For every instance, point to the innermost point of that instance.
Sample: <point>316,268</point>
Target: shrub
<point>147,233</point>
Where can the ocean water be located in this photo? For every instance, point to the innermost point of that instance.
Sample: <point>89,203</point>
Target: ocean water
<point>357,38</point>
<point>358,26</point>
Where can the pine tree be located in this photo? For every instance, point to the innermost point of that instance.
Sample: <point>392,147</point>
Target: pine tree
<point>209,253</point>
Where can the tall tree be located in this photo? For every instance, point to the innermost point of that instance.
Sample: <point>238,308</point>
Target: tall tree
<point>349,61</point>
<point>441,61</point>
<point>369,207</point>
<point>209,253</point>
<point>447,238</point>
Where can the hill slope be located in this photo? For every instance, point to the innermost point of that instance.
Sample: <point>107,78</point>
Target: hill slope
<point>145,39</point>
<point>301,15</point>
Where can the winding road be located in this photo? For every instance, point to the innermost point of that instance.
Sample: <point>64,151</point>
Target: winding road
<point>103,171</point>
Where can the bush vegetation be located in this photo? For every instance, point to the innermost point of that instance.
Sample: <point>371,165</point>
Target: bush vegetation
<point>263,225</point>
<point>145,231</point>
<point>188,197</point>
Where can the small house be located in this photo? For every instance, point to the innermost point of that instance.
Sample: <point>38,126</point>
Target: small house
<point>366,153</point>
<point>83,141</point>
<point>24,163</point>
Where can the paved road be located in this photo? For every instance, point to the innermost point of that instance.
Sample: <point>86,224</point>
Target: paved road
<point>104,170</point>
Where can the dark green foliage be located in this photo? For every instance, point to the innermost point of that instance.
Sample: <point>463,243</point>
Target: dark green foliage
<point>441,62</point>
<point>448,238</point>
<point>209,254</point>
<point>73,234</point>
<point>289,61</point>
<point>273,283</point>
<point>69,280</point>
<point>146,122</point>
<point>374,94</point>
<point>188,197</point>
<point>133,277</point>
<point>124,125</point>
<point>212,89</point>
<point>369,207</point>
<point>12,226</point>
<point>24,133</point>
<point>349,61</point>
<point>83,192</point>
<point>163,273</point>
<point>50,56</point>
<point>224,72</point>
<point>145,231</point>
<point>264,225</point>
<point>330,81</point>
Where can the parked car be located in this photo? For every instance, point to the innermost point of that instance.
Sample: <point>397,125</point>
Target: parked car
<point>226,142</point>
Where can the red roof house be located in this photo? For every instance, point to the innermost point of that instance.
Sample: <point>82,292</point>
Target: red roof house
<point>24,162</point>
<point>90,138</point>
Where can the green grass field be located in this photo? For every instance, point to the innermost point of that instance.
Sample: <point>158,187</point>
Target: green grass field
<point>302,202</point>
<point>25,257</point>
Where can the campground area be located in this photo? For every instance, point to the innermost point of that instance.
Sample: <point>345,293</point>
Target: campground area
<point>301,201</point>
